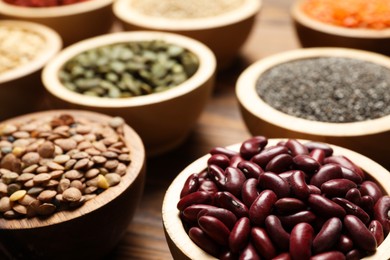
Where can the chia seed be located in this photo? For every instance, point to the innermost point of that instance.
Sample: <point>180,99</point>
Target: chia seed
<point>327,89</point>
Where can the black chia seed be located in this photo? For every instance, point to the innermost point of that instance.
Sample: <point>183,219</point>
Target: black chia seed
<point>327,89</point>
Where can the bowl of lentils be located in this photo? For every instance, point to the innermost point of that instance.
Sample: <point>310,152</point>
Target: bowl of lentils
<point>279,199</point>
<point>334,95</point>
<point>223,25</point>
<point>158,82</point>
<point>70,182</point>
<point>357,24</point>
<point>74,20</point>
<point>25,47</point>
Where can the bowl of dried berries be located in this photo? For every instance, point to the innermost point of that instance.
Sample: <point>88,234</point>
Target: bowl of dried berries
<point>223,25</point>
<point>279,199</point>
<point>74,20</point>
<point>25,47</point>
<point>70,182</point>
<point>355,24</point>
<point>158,82</point>
<point>334,95</point>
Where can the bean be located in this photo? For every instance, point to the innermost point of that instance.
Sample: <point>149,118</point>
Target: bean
<point>198,197</point>
<point>337,187</point>
<point>354,254</point>
<point>262,207</point>
<point>222,150</point>
<point>322,146</point>
<point>226,216</point>
<point>234,180</point>
<point>227,256</point>
<point>293,219</point>
<point>282,256</point>
<point>272,181</point>
<point>376,229</point>
<point>228,201</point>
<point>296,148</point>
<point>351,175</point>
<point>371,189</point>
<point>249,191</point>
<point>344,244</point>
<point>313,189</point>
<point>262,243</point>
<point>190,186</point>
<point>382,213</point>
<point>279,163</point>
<point>287,175</point>
<point>217,174</point>
<point>353,195</point>
<point>253,146</point>
<point>289,205</point>
<point>353,209</point>
<point>208,186</point>
<point>325,173</point>
<point>220,160</point>
<point>235,160</point>
<point>300,241</point>
<point>325,207</point>
<point>268,154</point>
<point>298,185</point>
<point>249,253</point>
<point>191,212</point>
<point>367,203</point>
<point>250,169</point>
<point>328,236</point>
<point>331,255</point>
<point>345,162</point>
<point>215,229</point>
<point>306,163</point>
<point>318,155</point>
<point>203,241</point>
<point>276,232</point>
<point>359,233</point>
<point>239,235</point>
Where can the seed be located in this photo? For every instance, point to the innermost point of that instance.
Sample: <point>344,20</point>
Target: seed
<point>21,135</point>
<point>9,177</point>
<point>17,195</point>
<point>121,169</point>
<point>10,214</point>
<point>42,169</point>
<point>102,182</point>
<point>81,164</point>
<point>84,145</point>
<point>31,168</point>
<point>111,164</point>
<point>72,194</point>
<point>73,175</point>
<point>5,204</point>
<point>99,159</point>
<point>31,158</point>
<point>99,146</point>
<point>47,195</point>
<point>56,174</point>
<point>61,159</point>
<point>63,185</point>
<point>66,144</point>
<point>35,190</point>
<point>69,164</point>
<point>116,122</point>
<point>80,155</point>
<point>3,188</point>
<point>7,129</point>
<point>92,173</point>
<point>13,187</point>
<point>20,209</point>
<point>26,200</point>
<point>18,151</point>
<point>25,177</point>
<point>41,178</point>
<point>113,179</point>
<point>110,155</point>
<point>46,209</point>
<point>46,150</point>
<point>77,184</point>
<point>55,166</point>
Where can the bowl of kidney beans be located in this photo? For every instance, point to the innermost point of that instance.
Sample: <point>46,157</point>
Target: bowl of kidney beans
<point>279,199</point>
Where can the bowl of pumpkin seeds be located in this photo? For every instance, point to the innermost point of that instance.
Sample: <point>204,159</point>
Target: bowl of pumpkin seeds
<point>158,82</point>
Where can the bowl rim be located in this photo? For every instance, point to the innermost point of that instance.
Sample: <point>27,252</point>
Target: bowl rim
<point>52,12</point>
<point>53,44</point>
<point>301,17</point>
<point>175,231</point>
<point>248,98</point>
<point>207,67</point>
<point>122,9</point>
<point>134,170</point>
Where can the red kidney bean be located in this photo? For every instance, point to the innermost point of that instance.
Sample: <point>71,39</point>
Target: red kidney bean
<point>300,241</point>
<point>234,180</point>
<point>322,146</point>
<point>376,229</point>
<point>296,148</point>
<point>268,154</point>
<point>272,181</point>
<point>354,254</point>
<point>191,212</point>
<point>227,256</point>
<point>353,209</point>
<point>250,169</point>
<point>293,219</point>
<point>367,203</point>
<point>203,241</point>
<point>198,197</point>
<point>235,160</point>
<point>331,255</point>
<point>275,230</point>
<point>249,191</point>
<point>253,146</point>
<point>228,201</point>
<point>382,213</point>
<point>351,175</point>
<point>215,229</point>
<point>217,174</point>
<point>191,185</point>
<point>328,236</point>
<point>359,233</point>
<point>371,189</point>
<point>286,206</point>
<point>282,256</point>
<point>224,215</point>
<point>279,163</point>
<point>223,150</point>
<point>239,235</point>
<point>262,207</point>
<point>298,185</point>
<point>306,163</point>
<point>345,162</point>
<point>314,189</point>
<point>325,207</point>
<point>344,244</point>
<point>262,243</point>
<point>249,253</point>
<point>287,175</point>
<point>337,187</point>
<point>325,173</point>
<point>220,160</point>
<point>318,155</point>
<point>208,186</point>
<point>353,195</point>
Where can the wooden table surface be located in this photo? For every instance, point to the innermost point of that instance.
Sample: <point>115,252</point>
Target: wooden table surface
<point>219,125</point>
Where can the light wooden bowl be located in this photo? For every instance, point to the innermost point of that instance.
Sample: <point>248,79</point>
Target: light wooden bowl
<point>223,34</point>
<point>314,33</point>
<point>90,231</point>
<point>366,137</point>
<point>164,119</point>
<point>182,247</point>
<point>21,89</point>
<point>73,22</point>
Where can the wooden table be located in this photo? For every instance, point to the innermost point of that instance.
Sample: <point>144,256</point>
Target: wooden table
<point>219,125</point>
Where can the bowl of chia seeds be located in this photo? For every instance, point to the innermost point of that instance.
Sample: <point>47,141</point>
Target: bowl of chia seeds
<point>223,25</point>
<point>334,95</point>
<point>158,82</point>
<point>70,182</point>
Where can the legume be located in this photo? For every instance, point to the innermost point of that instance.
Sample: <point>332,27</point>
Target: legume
<point>291,213</point>
<point>178,9</point>
<point>18,46</point>
<point>38,180</point>
<point>328,89</point>
<point>129,69</point>
<point>42,3</point>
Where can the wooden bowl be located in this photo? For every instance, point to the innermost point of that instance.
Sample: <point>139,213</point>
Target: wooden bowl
<point>164,119</point>
<point>314,33</point>
<point>224,34</point>
<point>366,137</point>
<point>182,247</point>
<point>73,22</point>
<point>90,231</point>
<point>21,89</point>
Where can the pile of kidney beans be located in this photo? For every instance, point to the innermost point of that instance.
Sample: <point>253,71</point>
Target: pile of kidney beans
<point>289,201</point>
